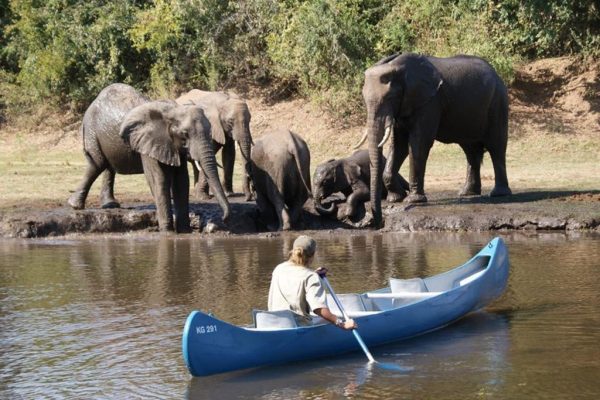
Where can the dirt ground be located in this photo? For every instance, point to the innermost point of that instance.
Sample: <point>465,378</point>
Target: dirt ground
<point>555,116</point>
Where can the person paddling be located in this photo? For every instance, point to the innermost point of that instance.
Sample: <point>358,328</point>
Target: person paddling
<point>297,288</point>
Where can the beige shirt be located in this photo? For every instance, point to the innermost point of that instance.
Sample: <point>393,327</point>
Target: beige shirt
<point>296,288</point>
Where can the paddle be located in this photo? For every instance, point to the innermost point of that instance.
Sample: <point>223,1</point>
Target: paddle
<point>362,344</point>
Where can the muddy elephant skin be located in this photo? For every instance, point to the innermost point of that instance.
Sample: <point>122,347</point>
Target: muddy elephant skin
<point>281,176</point>
<point>229,116</point>
<point>123,132</point>
<point>413,100</point>
<point>351,176</point>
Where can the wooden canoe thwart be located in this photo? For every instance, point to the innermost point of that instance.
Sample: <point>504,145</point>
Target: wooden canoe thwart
<point>406,308</point>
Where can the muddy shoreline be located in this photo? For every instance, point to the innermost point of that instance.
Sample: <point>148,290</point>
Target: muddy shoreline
<point>529,210</point>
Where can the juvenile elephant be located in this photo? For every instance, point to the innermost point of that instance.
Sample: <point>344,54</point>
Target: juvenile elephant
<point>413,100</point>
<point>124,132</point>
<point>281,177</point>
<point>230,119</point>
<point>350,176</point>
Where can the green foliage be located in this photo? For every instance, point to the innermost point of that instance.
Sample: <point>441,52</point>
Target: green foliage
<point>322,45</point>
<point>535,28</point>
<point>66,51</point>
<point>443,28</point>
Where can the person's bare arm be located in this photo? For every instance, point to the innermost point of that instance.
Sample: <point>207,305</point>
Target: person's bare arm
<point>324,313</point>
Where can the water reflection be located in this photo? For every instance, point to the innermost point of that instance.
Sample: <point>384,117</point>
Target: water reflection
<point>102,317</point>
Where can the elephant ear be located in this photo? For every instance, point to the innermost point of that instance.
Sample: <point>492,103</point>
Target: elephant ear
<point>212,114</point>
<point>146,130</point>
<point>352,171</point>
<point>421,83</point>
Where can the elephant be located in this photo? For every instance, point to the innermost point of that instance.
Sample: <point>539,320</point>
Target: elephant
<point>350,176</point>
<point>230,120</point>
<point>414,100</point>
<point>123,131</point>
<point>281,177</point>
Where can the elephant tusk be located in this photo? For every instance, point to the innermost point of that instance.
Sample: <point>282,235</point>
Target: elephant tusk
<point>198,166</point>
<point>362,140</point>
<point>242,151</point>
<point>388,131</point>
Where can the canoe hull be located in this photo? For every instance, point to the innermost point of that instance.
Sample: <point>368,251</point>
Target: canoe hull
<point>213,346</point>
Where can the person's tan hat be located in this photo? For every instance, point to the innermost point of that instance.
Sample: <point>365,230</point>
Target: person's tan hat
<point>307,244</point>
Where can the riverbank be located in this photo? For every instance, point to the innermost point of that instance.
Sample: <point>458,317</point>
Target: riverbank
<point>527,211</point>
<point>553,161</point>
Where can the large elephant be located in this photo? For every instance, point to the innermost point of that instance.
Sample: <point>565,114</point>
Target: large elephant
<point>281,177</point>
<point>230,119</point>
<point>351,176</point>
<point>421,99</point>
<point>124,132</point>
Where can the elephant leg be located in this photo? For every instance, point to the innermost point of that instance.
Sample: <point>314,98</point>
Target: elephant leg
<point>265,210</point>
<point>160,178</point>
<point>501,187</point>
<point>474,153</point>
<point>396,186</point>
<point>496,145</point>
<point>181,195</point>
<point>285,221</point>
<point>297,207</point>
<point>228,159</point>
<point>107,194</point>
<point>420,141</point>
<point>95,166</point>
<point>281,210</point>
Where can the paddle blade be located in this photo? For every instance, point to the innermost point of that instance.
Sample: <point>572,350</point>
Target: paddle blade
<point>392,367</point>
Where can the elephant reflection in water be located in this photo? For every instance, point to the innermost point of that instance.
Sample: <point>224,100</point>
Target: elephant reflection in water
<point>123,131</point>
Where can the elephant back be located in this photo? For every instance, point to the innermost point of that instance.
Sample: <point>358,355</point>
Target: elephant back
<point>283,158</point>
<point>101,125</point>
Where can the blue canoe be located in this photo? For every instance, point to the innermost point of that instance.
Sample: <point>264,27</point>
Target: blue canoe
<point>406,308</point>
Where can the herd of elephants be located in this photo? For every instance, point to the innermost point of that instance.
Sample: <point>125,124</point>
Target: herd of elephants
<point>411,101</point>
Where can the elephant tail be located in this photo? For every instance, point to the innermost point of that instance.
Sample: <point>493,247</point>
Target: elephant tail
<point>302,163</point>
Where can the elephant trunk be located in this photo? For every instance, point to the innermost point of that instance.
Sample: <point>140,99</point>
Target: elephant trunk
<point>208,164</point>
<point>375,128</point>
<point>245,146</point>
<point>322,210</point>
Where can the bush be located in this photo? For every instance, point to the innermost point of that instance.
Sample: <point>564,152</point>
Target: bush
<point>443,28</point>
<point>323,46</point>
<point>66,51</point>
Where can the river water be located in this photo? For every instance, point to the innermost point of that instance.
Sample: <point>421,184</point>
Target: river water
<point>102,317</point>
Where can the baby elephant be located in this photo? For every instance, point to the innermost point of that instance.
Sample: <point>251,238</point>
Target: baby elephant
<point>350,176</point>
<point>281,177</point>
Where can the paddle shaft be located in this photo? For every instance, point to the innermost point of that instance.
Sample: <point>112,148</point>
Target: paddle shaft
<point>354,331</point>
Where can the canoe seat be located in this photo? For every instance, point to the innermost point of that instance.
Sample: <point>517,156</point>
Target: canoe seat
<point>280,319</point>
<point>413,285</point>
<point>353,304</point>
<point>407,285</point>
